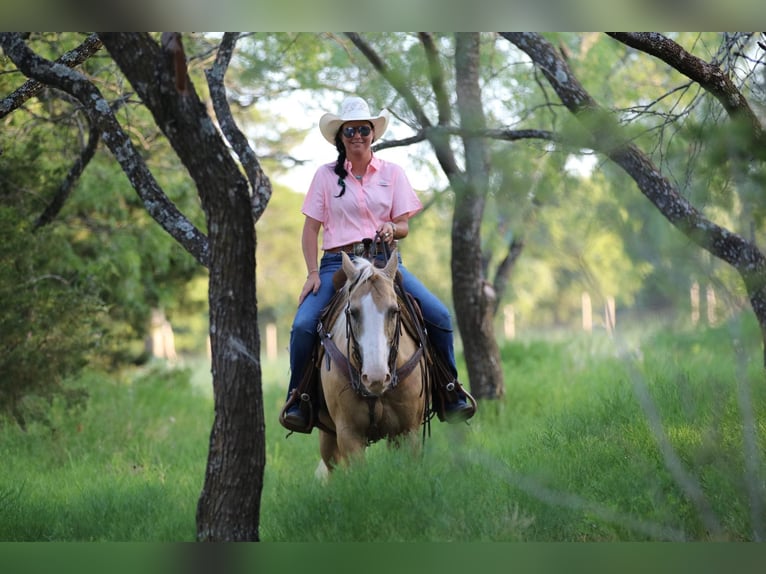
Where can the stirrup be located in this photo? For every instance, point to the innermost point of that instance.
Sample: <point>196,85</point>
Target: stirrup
<point>306,422</point>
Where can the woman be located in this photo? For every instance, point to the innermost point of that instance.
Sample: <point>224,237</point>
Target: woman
<point>358,196</point>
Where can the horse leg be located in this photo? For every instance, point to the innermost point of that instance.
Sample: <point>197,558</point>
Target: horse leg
<point>410,440</point>
<point>328,449</point>
<point>351,445</point>
<point>337,449</point>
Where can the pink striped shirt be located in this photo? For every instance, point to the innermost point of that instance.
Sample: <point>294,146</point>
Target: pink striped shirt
<point>383,194</point>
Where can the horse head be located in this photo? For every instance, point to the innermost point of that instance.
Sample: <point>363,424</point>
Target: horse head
<point>372,322</point>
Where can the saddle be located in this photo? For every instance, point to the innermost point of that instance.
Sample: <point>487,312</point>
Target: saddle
<point>441,387</point>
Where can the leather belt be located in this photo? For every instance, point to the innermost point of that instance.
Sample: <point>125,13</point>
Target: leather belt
<point>356,248</point>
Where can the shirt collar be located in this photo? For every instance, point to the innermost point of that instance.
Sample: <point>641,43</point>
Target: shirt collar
<point>374,164</point>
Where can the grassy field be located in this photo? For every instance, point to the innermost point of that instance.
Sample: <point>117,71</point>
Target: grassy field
<point>652,437</point>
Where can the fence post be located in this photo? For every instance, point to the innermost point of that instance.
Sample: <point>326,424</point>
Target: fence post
<point>271,341</point>
<point>694,296</point>
<point>587,313</point>
<point>610,318</point>
<point>509,322</point>
<point>711,304</point>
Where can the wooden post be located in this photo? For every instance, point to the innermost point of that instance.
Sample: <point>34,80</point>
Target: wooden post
<point>587,313</point>
<point>509,322</point>
<point>711,303</point>
<point>161,340</point>
<point>694,296</point>
<point>609,317</point>
<point>271,341</point>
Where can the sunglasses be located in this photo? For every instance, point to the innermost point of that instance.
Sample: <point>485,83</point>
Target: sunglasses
<point>364,131</point>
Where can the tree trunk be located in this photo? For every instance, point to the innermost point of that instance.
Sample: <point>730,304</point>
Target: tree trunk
<point>473,295</point>
<point>229,505</point>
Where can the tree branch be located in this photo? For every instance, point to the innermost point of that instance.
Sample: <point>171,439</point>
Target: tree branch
<point>31,88</point>
<point>443,152</point>
<point>259,182</point>
<point>155,201</point>
<point>722,243</point>
<point>489,133</point>
<point>710,76</point>
<point>71,179</point>
<point>504,269</point>
<point>393,78</point>
<point>436,76</point>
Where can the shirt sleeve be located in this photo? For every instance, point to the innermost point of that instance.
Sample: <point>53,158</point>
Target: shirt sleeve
<point>314,204</point>
<point>405,199</point>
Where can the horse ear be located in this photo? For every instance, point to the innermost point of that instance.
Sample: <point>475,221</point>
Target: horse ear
<point>348,266</point>
<point>392,265</point>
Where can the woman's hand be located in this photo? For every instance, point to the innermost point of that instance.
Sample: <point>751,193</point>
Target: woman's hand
<point>387,232</point>
<point>310,286</point>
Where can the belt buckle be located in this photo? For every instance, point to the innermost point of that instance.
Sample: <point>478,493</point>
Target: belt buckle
<point>357,249</point>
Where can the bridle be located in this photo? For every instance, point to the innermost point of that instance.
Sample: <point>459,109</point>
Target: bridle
<point>350,364</point>
<point>352,350</point>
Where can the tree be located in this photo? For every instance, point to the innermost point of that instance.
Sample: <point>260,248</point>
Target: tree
<point>474,295</point>
<point>604,136</point>
<point>229,506</point>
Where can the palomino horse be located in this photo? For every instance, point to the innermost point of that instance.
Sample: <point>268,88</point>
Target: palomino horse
<point>373,375</point>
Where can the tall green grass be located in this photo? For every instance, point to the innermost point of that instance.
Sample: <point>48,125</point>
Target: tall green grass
<point>129,467</point>
<point>593,442</point>
<point>661,438</point>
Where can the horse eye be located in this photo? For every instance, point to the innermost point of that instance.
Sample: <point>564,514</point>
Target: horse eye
<point>392,312</point>
<point>354,312</point>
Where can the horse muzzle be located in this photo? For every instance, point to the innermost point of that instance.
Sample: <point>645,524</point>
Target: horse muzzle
<point>376,382</point>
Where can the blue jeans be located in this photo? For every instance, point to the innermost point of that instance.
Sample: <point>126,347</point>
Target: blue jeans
<point>303,335</point>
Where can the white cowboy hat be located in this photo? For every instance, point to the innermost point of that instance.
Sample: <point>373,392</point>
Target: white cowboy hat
<point>352,108</point>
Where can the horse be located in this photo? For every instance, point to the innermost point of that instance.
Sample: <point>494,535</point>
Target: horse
<point>373,373</point>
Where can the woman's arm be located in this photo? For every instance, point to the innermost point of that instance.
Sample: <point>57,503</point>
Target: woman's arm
<point>310,246</point>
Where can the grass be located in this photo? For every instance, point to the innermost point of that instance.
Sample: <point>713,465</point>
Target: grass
<point>593,442</point>
<point>127,468</point>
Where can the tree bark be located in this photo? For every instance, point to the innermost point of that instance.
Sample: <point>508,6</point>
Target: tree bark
<point>31,88</point>
<point>473,295</point>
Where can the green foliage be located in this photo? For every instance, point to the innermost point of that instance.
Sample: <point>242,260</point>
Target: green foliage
<point>127,468</point>
<point>106,245</point>
<point>53,319</point>
<point>576,243</point>
<point>569,454</point>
